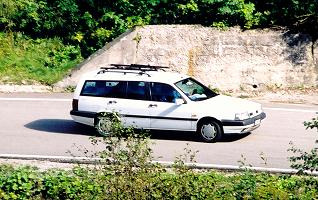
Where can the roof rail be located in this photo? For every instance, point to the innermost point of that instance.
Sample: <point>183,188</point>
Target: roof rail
<point>135,67</point>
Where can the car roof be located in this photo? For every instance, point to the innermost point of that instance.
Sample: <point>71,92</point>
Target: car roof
<point>136,75</point>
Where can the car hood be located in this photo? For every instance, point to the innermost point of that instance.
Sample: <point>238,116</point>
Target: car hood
<point>227,105</point>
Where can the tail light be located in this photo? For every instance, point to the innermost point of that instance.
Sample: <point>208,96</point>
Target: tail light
<point>75,104</point>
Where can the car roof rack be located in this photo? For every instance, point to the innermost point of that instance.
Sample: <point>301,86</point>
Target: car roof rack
<point>135,67</point>
<point>142,69</point>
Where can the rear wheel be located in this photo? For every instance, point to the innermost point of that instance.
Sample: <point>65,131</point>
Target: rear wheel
<point>106,123</point>
<point>210,131</point>
<point>103,125</point>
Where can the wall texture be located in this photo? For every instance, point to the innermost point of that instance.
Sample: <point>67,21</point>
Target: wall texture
<point>228,60</point>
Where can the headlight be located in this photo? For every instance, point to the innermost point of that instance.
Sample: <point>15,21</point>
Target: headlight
<point>241,116</point>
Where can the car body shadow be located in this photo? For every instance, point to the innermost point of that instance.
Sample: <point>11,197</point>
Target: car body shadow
<point>191,136</point>
<point>61,126</point>
<point>234,137</point>
<point>173,135</point>
<point>64,126</point>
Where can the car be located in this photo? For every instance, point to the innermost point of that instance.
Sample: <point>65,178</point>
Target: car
<point>155,98</point>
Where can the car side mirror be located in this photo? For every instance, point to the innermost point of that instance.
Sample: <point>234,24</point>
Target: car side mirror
<point>179,101</point>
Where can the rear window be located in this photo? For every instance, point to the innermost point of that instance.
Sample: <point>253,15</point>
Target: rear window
<point>115,89</point>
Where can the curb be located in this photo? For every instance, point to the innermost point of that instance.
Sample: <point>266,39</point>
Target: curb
<point>168,164</point>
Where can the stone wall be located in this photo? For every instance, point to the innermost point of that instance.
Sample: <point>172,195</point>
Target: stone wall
<point>228,60</point>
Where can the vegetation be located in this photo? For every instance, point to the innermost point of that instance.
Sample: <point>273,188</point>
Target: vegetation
<point>63,27</point>
<point>82,183</point>
<point>28,61</point>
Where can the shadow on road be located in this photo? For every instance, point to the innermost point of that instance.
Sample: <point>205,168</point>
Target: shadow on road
<point>190,136</point>
<point>234,137</point>
<point>70,127</point>
<point>174,135</point>
<point>61,126</point>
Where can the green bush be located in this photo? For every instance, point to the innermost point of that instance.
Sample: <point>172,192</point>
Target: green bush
<point>90,183</point>
<point>20,183</point>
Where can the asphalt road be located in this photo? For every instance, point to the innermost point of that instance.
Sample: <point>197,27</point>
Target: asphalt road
<point>40,124</point>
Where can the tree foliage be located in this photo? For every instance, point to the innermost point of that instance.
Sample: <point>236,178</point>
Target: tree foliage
<point>91,23</point>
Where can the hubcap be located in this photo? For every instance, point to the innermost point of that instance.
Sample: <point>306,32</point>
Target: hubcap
<point>208,131</point>
<point>104,126</point>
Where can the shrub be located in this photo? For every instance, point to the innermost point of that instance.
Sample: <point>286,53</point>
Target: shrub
<point>20,183</point>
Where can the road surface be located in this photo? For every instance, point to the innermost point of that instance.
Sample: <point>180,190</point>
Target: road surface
<point>40,124</point>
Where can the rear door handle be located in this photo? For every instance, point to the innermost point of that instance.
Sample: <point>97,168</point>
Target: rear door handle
<point>153,105</point>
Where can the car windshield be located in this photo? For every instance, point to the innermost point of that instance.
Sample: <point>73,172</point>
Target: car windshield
<point>195,90</point>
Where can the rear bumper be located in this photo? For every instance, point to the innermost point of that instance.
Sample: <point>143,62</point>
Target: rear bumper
<point>82,117</point>
<point>83,114</point>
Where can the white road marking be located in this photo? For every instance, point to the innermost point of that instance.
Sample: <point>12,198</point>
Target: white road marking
<point>33,99</point>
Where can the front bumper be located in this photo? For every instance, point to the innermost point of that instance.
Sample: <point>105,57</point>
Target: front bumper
<point>243,126</point>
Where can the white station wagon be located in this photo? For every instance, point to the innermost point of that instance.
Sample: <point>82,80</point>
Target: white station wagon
<point>148,97</point>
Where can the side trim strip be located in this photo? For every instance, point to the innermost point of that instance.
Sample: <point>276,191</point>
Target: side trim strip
<point>158,117</point>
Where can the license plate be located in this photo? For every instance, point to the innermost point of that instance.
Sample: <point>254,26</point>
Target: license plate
<point>257,122</point>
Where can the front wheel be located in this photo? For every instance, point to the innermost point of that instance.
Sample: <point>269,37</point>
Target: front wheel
<point>210,131</point>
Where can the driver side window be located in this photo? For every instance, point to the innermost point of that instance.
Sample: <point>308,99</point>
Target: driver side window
<point>163,92</point>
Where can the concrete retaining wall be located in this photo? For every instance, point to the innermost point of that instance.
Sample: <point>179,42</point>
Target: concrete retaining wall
<point>228,60</point>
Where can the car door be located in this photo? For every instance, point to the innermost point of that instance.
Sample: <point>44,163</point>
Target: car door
<point>165,112</point>
<point>134,108</point>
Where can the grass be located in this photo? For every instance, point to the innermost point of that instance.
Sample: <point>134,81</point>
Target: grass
<point>28,61</point>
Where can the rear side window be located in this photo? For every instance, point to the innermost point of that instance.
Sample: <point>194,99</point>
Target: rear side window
<point>115,89</point>
<point>137,90</point>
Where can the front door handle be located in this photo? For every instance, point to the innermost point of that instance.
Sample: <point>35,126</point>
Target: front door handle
<point>112,102</point>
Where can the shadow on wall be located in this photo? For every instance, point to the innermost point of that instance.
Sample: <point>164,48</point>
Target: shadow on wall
<point>298,44</point>
<point>61,126</point>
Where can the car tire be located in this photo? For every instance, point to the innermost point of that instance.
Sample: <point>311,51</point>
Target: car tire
<point>210,131</point>
<point>103,126</point>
